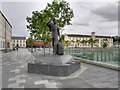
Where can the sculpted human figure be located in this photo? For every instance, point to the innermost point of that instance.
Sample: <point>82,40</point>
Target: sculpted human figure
<point>55,33</point>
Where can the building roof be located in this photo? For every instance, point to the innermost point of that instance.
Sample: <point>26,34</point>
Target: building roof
<point>5,18</point>
<point>79,35</point>
<point>18,38</point>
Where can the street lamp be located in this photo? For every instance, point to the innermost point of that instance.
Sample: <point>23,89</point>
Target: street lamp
<point>28,43</point>
<point>31,43</point>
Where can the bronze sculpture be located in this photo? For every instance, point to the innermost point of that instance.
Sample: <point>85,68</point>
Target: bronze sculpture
<point>55,33</point>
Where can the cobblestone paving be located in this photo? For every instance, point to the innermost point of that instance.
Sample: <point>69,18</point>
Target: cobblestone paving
<point>14,75</point>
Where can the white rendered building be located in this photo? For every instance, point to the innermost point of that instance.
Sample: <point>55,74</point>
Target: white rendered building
<point>99,39</point>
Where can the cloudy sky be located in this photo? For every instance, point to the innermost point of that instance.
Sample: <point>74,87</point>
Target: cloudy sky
<point>97,16</point>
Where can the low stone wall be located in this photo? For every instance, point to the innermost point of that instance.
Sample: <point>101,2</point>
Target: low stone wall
<point>100,64</point>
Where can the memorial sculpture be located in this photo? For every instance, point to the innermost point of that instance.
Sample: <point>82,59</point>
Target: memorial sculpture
<point>57,65</point>
<point>58,47</point>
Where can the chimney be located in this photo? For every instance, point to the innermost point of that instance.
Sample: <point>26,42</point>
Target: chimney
<point>93,35</point>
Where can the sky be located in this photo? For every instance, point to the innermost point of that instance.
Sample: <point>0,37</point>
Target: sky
<point>99,16</point>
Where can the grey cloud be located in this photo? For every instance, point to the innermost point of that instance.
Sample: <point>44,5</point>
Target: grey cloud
<point>16,13</point>
<point>108,12</point>
<point>82,24</point>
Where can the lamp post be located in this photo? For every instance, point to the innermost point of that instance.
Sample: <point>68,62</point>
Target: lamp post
<point>28,43</point>
<point>31,43</point>
<point>35,44</point>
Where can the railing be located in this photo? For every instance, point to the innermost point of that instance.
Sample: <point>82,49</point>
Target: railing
<point>107,55</point>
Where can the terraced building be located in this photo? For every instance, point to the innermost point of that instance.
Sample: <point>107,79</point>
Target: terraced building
<point>75,37</point>
<point>5,33</point>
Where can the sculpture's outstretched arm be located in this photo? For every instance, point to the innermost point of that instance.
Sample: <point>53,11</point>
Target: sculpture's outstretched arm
<point>48,24</point>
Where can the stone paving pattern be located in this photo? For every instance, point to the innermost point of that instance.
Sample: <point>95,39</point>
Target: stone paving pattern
<point>15,75</point>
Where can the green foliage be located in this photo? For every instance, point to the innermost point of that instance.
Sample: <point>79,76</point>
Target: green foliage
<point>59,10</point>
<point>92,42</point>
<point>104,43</point>
<point>67,43</point>
<point>78,42</point>
<point>84,42</point>
<point>37,26</point>
<point>63,37</point>
<point>37,23</point>
<point>88,55</point>
<point>72,41</point>
<point>116,39</point>
<point>30,41</point>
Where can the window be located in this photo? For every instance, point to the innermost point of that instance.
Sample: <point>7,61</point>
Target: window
<point>20,40</point>
<point>20,44</point>
<point>3,44</point>
<point>17,45</point>
<point>17,40</point>
<point>24,45</point>
<point>14,40</point>
<point>8,44</point>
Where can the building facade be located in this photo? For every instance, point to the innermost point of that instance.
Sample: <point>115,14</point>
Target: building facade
<point>5,33</point>
<point>20,41</point>
<point>74,37</point>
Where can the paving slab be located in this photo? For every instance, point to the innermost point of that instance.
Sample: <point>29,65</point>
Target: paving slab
<point>100,77</point>
<point>75,83</point>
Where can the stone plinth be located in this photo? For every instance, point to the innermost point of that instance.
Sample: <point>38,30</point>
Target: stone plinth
<point>59,65</point>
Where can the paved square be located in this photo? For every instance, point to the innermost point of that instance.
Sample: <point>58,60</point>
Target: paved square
<point>15,75</point>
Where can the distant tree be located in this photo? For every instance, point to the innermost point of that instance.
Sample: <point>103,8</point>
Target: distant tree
<point>84,42</point>
<point>78,42</point>
<point>92,42</point>
<point>67,43</point>
<point>30,41</point>
<point>72,41</point>
<point>104,43</point>
<point>119,40</point>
